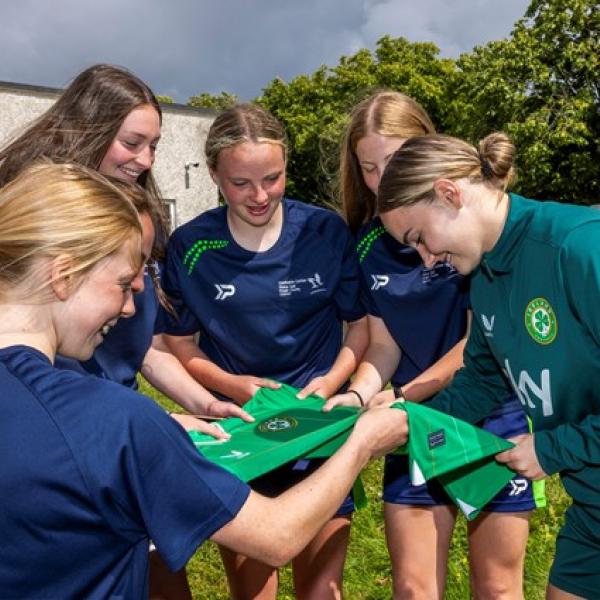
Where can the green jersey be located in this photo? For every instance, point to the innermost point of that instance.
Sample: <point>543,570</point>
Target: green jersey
<point>536,329</point>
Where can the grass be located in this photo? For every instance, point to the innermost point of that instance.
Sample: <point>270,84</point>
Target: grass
<point>367,574</point>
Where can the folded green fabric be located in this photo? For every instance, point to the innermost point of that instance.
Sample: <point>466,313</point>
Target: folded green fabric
<point>459,454</point>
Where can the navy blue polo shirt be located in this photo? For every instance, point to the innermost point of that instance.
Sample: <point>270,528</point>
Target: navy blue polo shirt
<point>90,471</point>
<point>277,313</point>
<point>425,310</point>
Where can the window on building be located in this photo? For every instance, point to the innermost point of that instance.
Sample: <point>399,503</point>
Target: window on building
<point>169,205</point>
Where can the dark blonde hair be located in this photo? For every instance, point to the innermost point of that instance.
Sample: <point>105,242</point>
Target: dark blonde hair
<point>80,127</point>
<point>386,113</point>
<point>245,122</point>
<point>414,168</point>
<point>50,210</point>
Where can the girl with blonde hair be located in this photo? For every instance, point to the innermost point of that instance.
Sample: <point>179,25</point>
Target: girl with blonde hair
<point>90,469</point>
<point>418,321</point>
<point>268,283</point>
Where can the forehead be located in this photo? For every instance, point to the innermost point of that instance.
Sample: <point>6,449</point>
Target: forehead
<point>251,157</point>
<point>374,146</point>
<point>143,120</point>
<point>400,220</point>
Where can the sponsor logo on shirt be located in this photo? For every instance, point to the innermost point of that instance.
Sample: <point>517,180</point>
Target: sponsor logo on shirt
<point>379,281</point>
<point>488,325</point>
<point>312,285</point>
<point>428,274</point>
<point>436,439</point>
<point>540,321</point>
<point>198,248</point>
<point>527,388</point>
<point>224,290</point>
<point>279,423</point>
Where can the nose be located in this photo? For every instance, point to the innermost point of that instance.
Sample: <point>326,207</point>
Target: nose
<point>128,309</point>
<point>137,284</point>
<point>260,195</point>
<point>146,157</point>
<point>427,257</point>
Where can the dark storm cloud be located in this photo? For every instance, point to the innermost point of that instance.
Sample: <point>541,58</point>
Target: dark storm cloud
<point>183,47</point>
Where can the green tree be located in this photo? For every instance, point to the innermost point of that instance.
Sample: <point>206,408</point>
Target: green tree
<point>165,99</point>
<point>314,108</point>
<point>216,102</point>
<point>541,86</point>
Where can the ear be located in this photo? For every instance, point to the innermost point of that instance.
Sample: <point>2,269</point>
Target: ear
<point>447,192</point>
<point>213,176</point>
<point>62,281</point>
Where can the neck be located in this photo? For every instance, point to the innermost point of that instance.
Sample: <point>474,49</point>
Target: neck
<point>256,238</point>
<point>26,325</point>
<point>496,220</point>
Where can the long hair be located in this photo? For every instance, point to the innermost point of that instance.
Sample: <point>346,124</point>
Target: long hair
<point>80,127</point>
<point>386,113</point>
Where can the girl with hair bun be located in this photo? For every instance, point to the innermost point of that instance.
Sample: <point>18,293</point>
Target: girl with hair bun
<point>535,281</point>
<point>418,321</point>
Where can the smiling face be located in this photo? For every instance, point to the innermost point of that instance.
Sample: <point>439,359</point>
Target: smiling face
<point>132,151</point>
<point>251,177</point>
<point>373,152</point>
<point>445,230</point>
<point>93,308</point>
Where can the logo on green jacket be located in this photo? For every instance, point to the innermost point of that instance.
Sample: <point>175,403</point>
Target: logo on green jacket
<point>279,423</point>
<point>540,321</point>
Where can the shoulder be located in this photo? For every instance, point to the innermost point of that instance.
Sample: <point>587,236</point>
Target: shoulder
<point>315,219</point>
<point>205,225</point>
<point>558,223</point>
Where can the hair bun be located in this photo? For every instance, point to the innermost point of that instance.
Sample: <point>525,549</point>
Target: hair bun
<point>496,154</point>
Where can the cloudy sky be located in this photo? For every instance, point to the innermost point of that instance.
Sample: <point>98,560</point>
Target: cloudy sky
<point>184,47</point>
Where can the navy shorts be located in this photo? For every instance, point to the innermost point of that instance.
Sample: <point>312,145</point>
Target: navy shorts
<point>281,479</point>
<point>519,495</point>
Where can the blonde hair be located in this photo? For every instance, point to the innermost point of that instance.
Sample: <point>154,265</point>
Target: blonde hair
<point>386,113</point>
<point>412,171</point>
<point>245,122</point>
<point>50,210</point>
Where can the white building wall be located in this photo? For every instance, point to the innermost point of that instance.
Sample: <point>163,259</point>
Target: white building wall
<point>184,132</point>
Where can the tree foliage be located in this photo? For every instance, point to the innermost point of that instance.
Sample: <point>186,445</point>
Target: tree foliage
<point>218,102</point>
<point>314,108</point>
<point>541,86</point>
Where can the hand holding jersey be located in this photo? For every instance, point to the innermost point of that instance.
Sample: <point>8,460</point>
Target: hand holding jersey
<point>522,458</point>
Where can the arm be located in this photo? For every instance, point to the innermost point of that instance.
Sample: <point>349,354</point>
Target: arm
<point>274,530</point>
<point>352,350</point>
<point>380,362</point>
<point>478,388</point>
<point>239,388</point>
<point>435,378</point>
<point>164,371</point>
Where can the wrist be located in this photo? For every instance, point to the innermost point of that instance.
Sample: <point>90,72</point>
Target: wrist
<point>399,394</point>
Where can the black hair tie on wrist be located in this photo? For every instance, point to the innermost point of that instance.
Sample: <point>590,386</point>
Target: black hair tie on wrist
<point>360,398</point>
